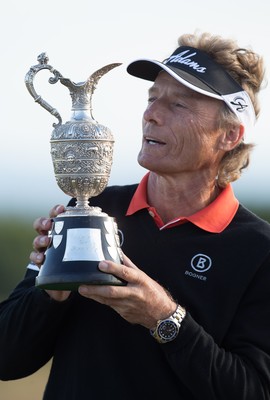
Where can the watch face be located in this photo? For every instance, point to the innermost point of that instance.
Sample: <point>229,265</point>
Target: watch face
<point>168,330</point>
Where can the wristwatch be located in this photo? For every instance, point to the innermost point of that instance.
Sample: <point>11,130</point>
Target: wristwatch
<point>167,329</point>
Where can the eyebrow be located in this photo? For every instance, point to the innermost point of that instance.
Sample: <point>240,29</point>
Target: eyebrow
<point>176,93</point>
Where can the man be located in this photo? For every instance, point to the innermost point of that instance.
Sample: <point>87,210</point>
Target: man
<point>193,321</point>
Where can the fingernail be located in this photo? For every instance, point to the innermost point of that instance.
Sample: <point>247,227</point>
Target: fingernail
<point>43,240</point>
<point>103,266</point>
<point>59,208</point>
<point>44,222</point>
<point>39,257</point>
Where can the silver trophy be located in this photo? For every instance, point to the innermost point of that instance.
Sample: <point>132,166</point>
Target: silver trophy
<point>82,152</point>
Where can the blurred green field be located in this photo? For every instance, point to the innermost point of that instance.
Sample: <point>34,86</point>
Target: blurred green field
<point>16,236</point>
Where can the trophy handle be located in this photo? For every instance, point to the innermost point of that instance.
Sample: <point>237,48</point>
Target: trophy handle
<point>29,82</point>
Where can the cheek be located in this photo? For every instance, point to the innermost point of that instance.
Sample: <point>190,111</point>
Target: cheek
<point>185,132</point>
<point>197,130</point>
<point>192,140</point>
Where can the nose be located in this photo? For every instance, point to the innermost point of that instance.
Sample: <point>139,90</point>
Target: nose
<point>154,113</point>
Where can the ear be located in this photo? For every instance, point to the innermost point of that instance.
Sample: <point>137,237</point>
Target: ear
<point>232,137</point>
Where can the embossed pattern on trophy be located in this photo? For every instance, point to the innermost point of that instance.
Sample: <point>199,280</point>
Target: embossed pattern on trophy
<point>81,149</point>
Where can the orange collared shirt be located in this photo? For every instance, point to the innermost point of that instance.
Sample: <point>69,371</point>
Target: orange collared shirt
<point>213,218</point>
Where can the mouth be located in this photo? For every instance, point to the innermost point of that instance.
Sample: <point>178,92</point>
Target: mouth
<point>153,141</point>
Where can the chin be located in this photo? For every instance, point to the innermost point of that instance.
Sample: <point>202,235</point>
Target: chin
<point>150,161</point>
<point>150,165</point>
<point>143,160</point>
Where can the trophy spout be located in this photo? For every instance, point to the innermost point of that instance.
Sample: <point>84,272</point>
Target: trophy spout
<point>82,92</point>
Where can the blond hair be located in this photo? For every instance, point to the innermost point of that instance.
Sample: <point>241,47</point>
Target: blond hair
<point>247,68</point>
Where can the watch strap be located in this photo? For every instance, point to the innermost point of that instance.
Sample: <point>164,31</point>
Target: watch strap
<point>175,320</point>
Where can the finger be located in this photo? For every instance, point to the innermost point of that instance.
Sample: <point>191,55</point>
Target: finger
<point>37,258</point>
<point>42,225</point>
<point>59,295</point>
<point>40,243</point>
<point>56,210</point>
<point>128,273</point>
<point>104,294</point>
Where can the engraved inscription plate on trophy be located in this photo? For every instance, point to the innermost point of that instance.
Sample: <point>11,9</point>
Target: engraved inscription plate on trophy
<point>82,152</point>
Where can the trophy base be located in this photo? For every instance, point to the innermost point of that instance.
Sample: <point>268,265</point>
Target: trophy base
<point>78,244</point>
<point>71,282</point>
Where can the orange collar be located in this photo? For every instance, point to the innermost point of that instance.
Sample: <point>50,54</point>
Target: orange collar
<point>213,218</point>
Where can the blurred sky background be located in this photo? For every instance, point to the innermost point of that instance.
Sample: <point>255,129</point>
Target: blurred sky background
<point>83,35</point>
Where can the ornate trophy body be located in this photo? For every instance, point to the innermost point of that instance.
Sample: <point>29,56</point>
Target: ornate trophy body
<point>81,151</point>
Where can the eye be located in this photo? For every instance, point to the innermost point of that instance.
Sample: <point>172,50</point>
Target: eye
<point>178,105</point>
<point>151,99</point>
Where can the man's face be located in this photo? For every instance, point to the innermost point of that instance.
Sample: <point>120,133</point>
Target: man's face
<point>180,131</point>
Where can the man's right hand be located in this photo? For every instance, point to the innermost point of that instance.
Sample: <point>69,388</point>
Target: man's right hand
<point>41,242</point>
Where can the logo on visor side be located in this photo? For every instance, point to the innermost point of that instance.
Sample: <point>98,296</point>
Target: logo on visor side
<point>239,104</point>
<point>184,58</point>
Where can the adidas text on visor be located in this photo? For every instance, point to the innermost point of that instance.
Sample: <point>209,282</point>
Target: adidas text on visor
<point>199,72</point>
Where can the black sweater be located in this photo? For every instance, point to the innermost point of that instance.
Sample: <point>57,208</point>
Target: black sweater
<point>221,352</point>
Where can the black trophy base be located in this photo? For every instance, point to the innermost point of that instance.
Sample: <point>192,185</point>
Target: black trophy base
<point>78,244</point>
<point>71,281</point>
